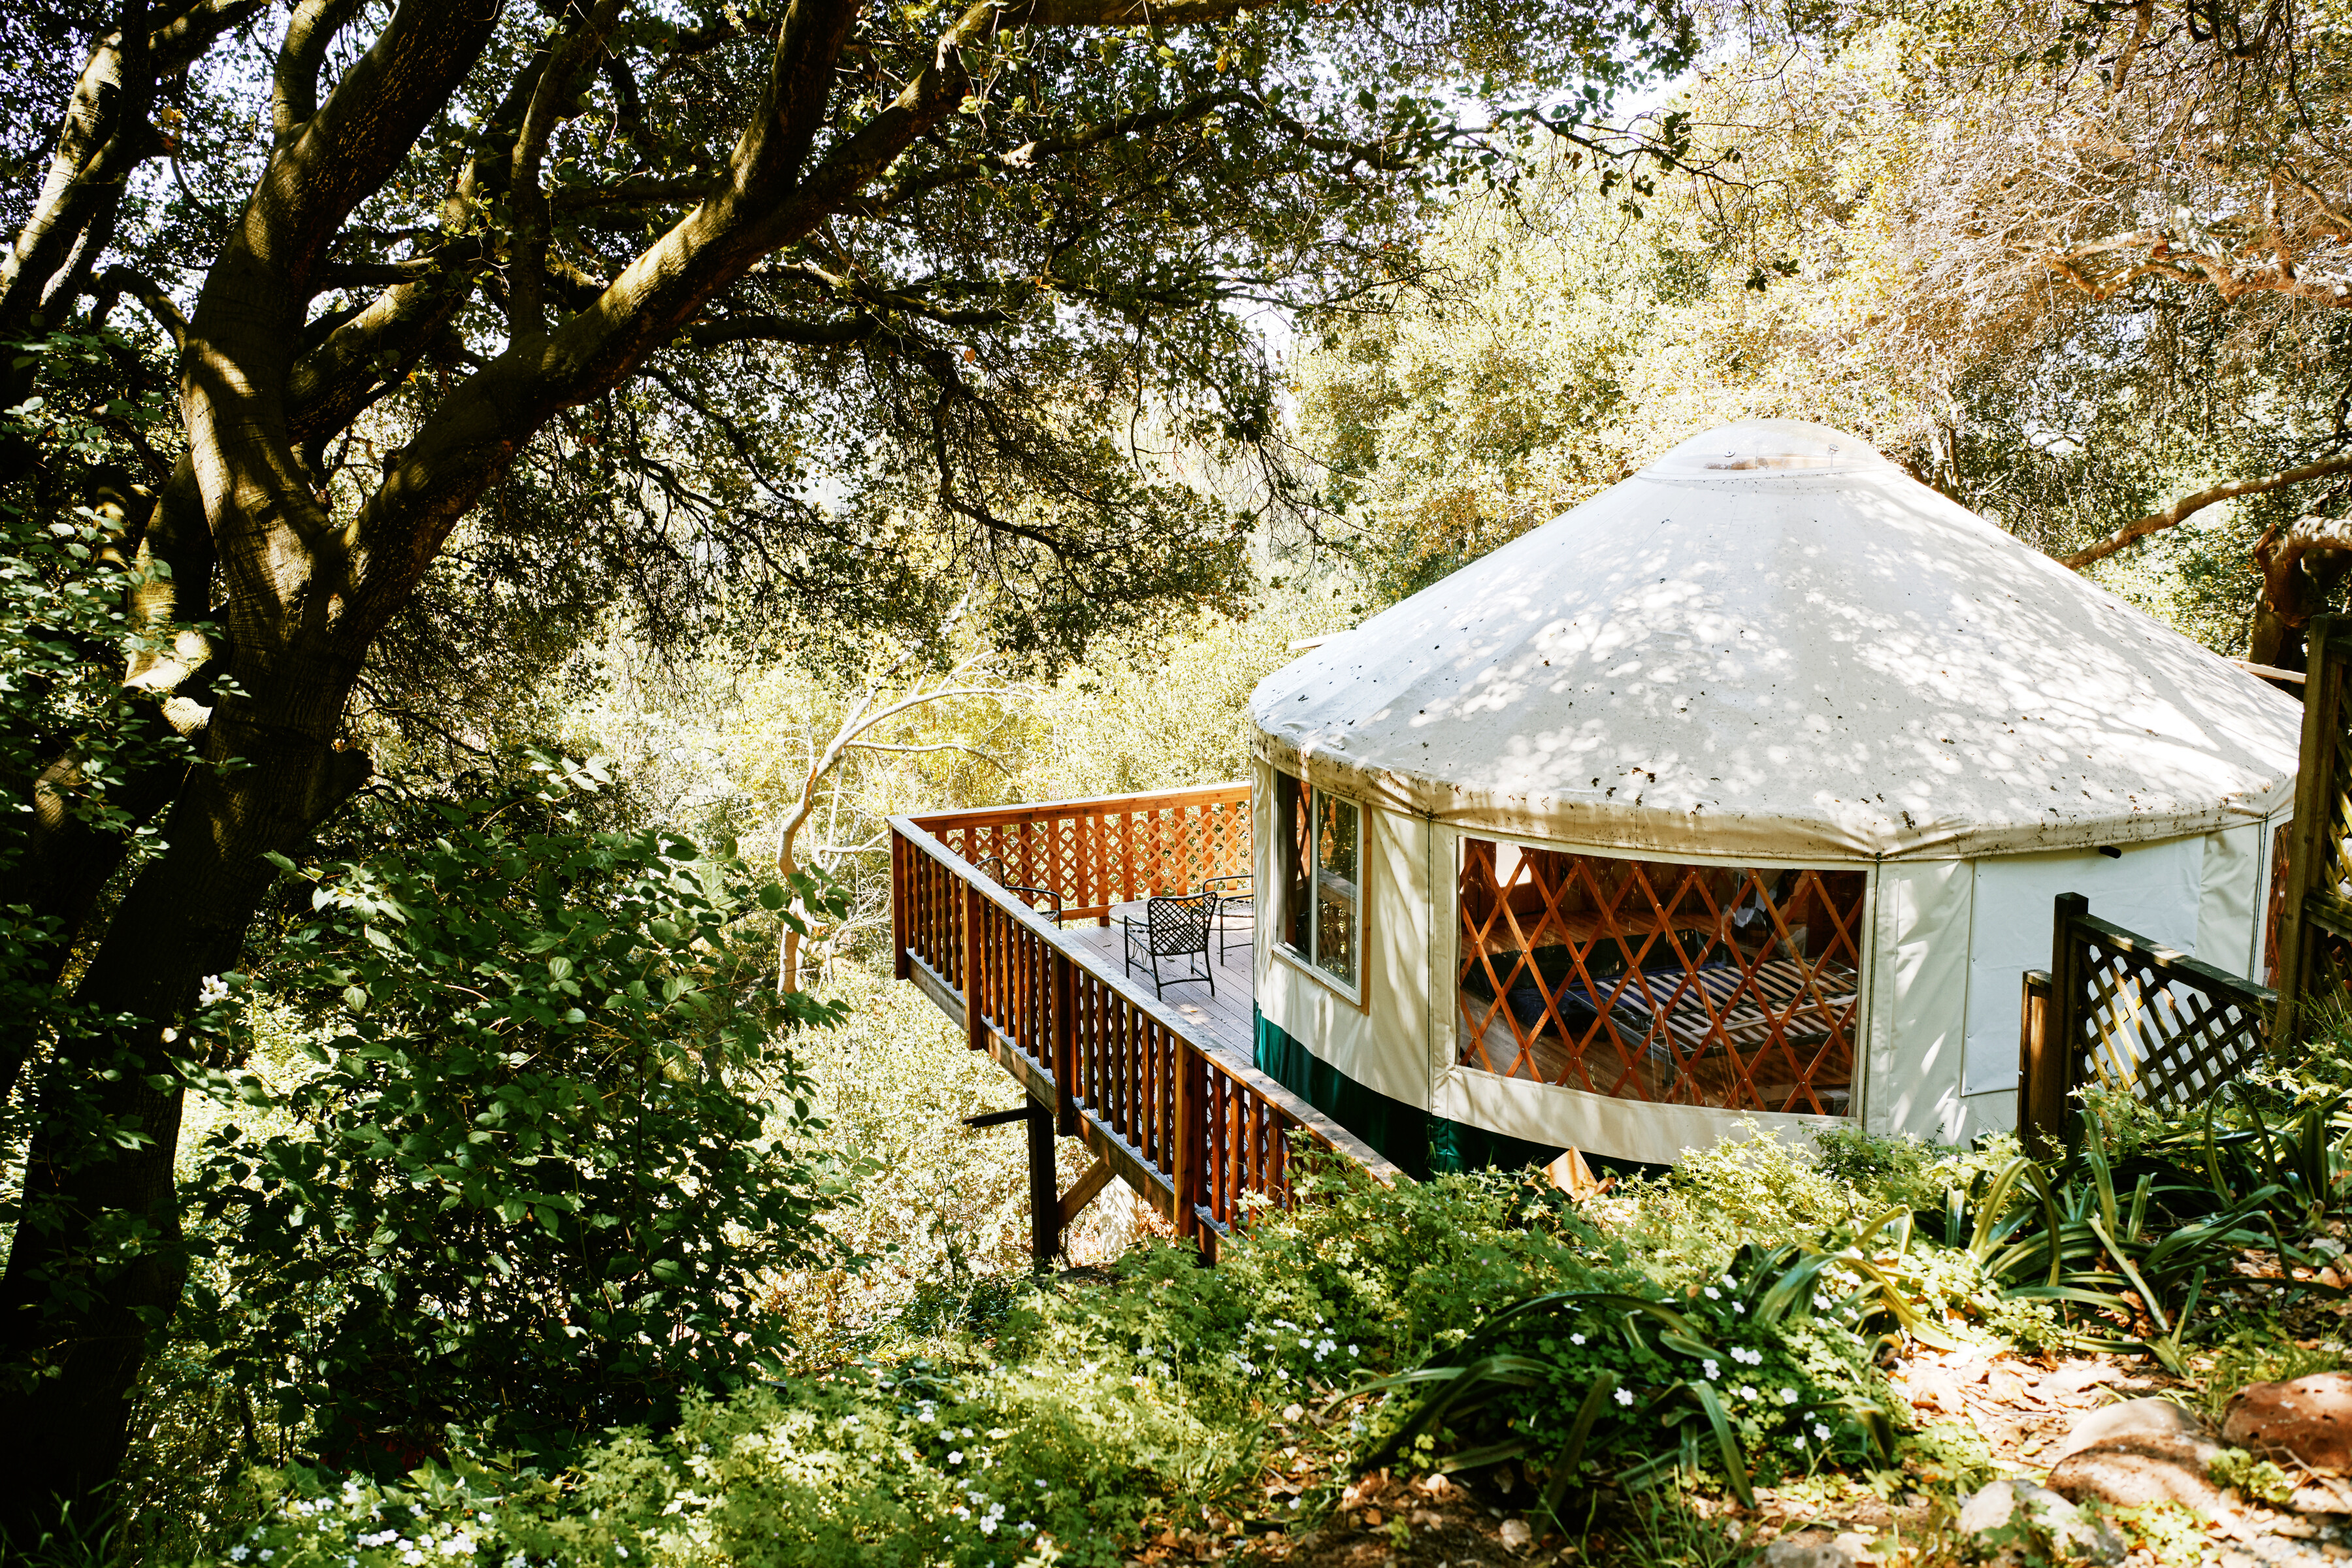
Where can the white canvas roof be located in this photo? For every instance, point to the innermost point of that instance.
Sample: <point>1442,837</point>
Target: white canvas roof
<point>1772,642</point>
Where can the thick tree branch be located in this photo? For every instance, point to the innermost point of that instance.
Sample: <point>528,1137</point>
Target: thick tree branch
<point>551,101</point>
<point>294,85</point>
<point>2187,506</point>
<point>121,281</point>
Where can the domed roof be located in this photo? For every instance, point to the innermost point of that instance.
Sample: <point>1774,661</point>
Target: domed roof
<point>1773,641</point>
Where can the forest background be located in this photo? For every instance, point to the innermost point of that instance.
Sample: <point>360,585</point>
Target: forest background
<point>818,415</point>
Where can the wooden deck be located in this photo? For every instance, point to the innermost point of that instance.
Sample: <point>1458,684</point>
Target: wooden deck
<point>1160,1086</point>
<point>1225,1022</point>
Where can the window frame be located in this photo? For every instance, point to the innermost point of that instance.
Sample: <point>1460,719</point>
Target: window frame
<point>1299,896</point>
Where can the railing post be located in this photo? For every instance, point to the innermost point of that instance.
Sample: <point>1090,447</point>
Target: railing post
<point>2041,1091</point>
<point>1191,1122</point>
<point>2062,1019</point>
<point>975,1017</point>
<point>1066,1044</point>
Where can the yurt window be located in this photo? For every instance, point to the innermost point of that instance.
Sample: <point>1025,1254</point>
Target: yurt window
<point>1321,854</point>
<point>1733,987</point>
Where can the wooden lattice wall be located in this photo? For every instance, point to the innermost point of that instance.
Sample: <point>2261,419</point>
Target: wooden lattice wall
<point>1642,980</point>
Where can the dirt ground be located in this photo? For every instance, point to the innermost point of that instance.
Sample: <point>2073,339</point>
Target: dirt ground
<point>2019,1408</point>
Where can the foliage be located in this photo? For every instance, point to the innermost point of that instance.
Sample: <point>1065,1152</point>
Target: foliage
<point>1763,1368</point>
<point>2259,1350</point>
<point>528,1186</point>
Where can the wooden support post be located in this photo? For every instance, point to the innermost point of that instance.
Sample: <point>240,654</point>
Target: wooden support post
<point>1066,1044</point>
<point>975,1017</point>
<point>1044,1198</point>
<point>2315,789</point>
<point>2062,1024</point>
<point>1087,1188</point>
<point>2041,1068</point>
<point>902,906</point>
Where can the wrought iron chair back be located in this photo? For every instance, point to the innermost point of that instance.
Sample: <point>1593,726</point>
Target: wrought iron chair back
<point>1180,925</point>
<point>1175,926</point>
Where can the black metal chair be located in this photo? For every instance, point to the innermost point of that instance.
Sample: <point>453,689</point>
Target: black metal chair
<point>1241,901</point>
<point>1174,928</point>
<point>1044,901</point>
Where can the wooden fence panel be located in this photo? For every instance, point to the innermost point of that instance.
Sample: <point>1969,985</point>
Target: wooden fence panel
<point>2120,1010</point>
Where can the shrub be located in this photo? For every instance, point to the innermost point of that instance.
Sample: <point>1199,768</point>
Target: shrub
<point>524,1185</point>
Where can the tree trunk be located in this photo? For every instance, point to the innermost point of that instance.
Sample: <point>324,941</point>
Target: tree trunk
<point>2301,567</point>
<point>63,1434</point>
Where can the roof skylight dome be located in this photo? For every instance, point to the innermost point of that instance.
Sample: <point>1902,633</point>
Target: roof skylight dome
<point>1754,447</point>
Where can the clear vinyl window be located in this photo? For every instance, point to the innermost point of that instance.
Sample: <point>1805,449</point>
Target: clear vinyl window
<point>1321,857</point>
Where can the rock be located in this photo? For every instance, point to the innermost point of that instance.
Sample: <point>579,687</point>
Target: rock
<point>1515,1534</point>
<point>2135,1470</point>
<point>2309,1419</point>
<point>2132,1418</point>
<point>2050,1518</point>
<point>1805,1555</point>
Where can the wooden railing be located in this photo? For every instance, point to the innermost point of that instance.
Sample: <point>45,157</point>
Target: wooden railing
<point>1092,854</point>
<point>2117,1009</point>
<point>1204,1138</point>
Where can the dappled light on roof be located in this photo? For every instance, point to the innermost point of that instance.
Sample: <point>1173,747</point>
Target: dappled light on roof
<point>1810,654</point>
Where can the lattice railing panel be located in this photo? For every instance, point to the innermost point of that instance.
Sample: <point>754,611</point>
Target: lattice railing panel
<point>1727,987</point>
<point>1092,854</point>
<point>2170,1030</point>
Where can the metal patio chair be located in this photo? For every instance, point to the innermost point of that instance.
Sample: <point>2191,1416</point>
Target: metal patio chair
<point>1236,894</point>
<point>1174,928</point>
<point>1044,901</point>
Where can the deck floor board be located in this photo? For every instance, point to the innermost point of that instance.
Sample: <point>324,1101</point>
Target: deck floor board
<point>1225,1023</point>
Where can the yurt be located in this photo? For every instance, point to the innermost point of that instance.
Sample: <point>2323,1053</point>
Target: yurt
<point>1741,792</point>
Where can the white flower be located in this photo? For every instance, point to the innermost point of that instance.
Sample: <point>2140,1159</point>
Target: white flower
<point>1713,1294</point>
<point>1821,1303</point>
<point>518,1560</point>
<point>1040,1486</point>
<point>955,1456</point>
<point>998,1434</point>
<point>1740,1308</point>
<point>1351,1350</point>
<point>238,1554</point>
<point>213,990</point>
<point>1745,1392</point>
<point>1576,1339</point>
<point>1729,1284</point>
<point>1788,1396</point>
<point>620,1551</point>
<point>266,1555</point>
<point>1625,1397</point>
<point>1714,1370</point>
<point>1822,1432</point>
